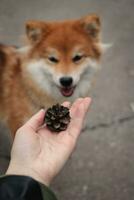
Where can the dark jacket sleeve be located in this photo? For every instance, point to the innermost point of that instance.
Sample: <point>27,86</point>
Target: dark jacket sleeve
<point>13,187</point>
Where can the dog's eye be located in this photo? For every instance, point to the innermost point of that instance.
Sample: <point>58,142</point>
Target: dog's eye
<point>77,58</point>
<point>53,59</point>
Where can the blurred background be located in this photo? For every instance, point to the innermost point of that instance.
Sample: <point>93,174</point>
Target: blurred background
<point>102,167</point>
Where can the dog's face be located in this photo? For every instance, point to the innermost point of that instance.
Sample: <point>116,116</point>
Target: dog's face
<point>64,55</point>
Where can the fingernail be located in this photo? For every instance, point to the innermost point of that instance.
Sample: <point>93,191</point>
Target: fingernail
<point>42,110</point>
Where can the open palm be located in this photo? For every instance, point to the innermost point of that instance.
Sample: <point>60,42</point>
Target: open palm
<point>38,152</point>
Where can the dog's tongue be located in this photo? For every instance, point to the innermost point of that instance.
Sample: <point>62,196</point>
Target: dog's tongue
<point>67,92</point>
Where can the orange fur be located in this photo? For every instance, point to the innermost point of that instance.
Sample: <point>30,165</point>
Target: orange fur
<point>20,96</point>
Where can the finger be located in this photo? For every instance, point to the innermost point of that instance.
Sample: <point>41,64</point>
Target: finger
<point>36,120</point>
<point>74,105</point>
<point>81,109</point>
<point>78,116</point>
<point>66,104</point>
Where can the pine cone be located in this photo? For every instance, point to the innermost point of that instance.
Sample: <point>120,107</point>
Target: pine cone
<point>57,118</point>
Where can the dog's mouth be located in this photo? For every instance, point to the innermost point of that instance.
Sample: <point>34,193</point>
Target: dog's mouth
<point>67,91</point>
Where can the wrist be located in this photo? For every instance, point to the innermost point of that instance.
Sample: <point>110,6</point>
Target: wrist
<point>15,169</point>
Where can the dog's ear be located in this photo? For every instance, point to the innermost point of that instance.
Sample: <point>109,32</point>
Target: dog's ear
<point>35,30</point>
<point>91,25</point>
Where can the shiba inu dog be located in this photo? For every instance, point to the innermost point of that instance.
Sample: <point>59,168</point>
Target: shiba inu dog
<point>57,64</point>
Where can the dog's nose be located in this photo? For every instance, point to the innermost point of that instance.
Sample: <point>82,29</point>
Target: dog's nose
<point>66,81</point>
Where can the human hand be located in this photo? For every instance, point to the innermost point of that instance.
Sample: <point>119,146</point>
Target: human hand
<point>41,154</point>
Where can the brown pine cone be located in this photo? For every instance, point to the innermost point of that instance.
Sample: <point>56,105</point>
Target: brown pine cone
<point>57,118</point>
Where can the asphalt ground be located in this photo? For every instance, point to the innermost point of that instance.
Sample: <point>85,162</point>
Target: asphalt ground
<point>102,167</point>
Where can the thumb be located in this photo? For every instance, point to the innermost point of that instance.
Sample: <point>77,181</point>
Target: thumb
<point>36,120</point>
